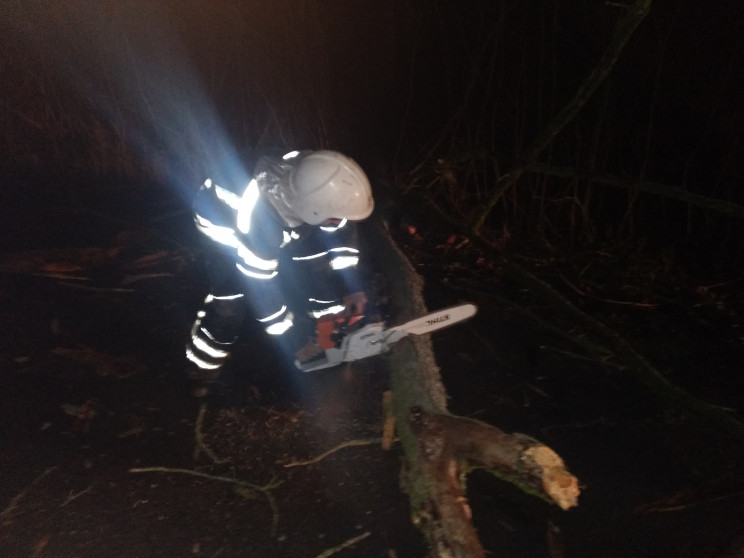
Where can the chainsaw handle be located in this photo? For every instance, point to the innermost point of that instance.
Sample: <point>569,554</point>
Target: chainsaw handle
<point>331,329</point>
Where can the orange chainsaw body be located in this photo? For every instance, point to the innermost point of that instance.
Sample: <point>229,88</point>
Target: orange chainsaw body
<point>329,326</point>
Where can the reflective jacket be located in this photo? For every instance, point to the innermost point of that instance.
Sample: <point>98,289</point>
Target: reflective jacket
<point>285,269</point>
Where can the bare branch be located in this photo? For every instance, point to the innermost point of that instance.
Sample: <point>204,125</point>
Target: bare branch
<point>670,192</point>
<point>624,29</point>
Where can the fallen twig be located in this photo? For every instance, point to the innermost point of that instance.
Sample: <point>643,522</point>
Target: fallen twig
<point>129,279</point>
<point>97,289</point>
<point>75,496</point>
<point>578,291</point>
<point>201,446</point>
<point>269,486</point>
<point>346,544</point>
<point>7,512</point>
<point>265,489</point>
<point>347,444</point>
<point>636,364</point>
<point>668,505</point>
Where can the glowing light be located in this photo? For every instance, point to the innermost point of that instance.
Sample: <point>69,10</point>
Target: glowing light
<point>125,55</point>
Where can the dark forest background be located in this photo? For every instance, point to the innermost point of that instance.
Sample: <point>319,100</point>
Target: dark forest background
<point>441,96</point>
<point>624,238</point>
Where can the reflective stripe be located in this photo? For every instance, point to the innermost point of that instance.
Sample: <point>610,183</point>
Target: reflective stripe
<point>223,235</point>
<point>321,301</point>
<point>230,198</point>
<point>330,310</point>
<point>201,363</point>
<point>287,237</point>
<point>246,206</point>
<point>311,257</point>
<point>201,345</point>
<point>344,249</point>
<point>253,260</point>
<point>197,329</point>
<point>280,327</point>
<point>334,228</point>
<point>211,337</point>
<point>207,349</point>
<point>225,297</point>
<point>325,253</point>
<point>226,237</point>
<point>255,274</point>
<point>344,262</point>
<point>274,316</point>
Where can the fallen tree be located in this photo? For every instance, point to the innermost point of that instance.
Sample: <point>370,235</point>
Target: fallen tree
<point>441,448</point>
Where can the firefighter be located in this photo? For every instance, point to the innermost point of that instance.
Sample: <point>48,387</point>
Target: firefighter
<point>282,245</point>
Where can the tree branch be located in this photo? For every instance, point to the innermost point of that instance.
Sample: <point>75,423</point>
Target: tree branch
<point>624,29</point>
<point>670,192</point>
<point>637,366</point>
<point>439,446</point>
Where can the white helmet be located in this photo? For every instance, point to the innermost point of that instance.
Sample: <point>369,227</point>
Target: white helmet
<point>328,185</point>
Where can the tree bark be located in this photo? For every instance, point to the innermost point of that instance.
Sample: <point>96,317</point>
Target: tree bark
<point>440,448</point>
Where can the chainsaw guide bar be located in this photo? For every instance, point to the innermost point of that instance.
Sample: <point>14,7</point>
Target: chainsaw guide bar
<point>374,339</point>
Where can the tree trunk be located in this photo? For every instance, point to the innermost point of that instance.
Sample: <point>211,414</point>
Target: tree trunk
<point>439,448</point>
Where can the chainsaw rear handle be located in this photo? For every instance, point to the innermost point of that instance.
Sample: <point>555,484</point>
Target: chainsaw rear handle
<point>332,328</point>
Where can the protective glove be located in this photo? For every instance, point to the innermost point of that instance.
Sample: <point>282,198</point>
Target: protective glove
<point>354,303</point>
<point>330,326</point>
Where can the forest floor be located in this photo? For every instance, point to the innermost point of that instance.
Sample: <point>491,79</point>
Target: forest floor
<point>104,453</point>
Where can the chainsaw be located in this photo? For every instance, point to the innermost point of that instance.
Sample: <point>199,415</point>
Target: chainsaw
<point>343,342</point>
